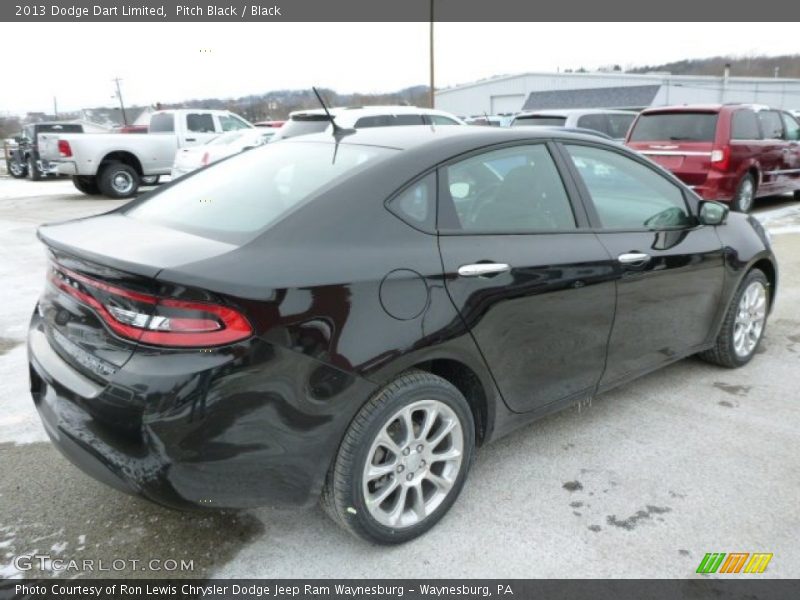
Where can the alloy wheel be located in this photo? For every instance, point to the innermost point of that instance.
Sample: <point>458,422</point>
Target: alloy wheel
<point>751,315</point>
<point>413,463</point>
<point>745,195</point>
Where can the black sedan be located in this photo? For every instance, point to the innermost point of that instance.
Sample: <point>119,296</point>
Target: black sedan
<point>349,317</point>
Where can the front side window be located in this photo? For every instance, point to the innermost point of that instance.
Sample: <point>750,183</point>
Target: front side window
<point>388,121</point>
<point>512,190</point>
<point>618,125</point>
<point>200,123</point>
<point>231,123</point>
<point>792,127</point>
<point>771,124</point>
<point>744,125</point>
<point>626,193</point>
<point>441,120</point>
<point>596,122</point>
<point>233,200</point>
<point>539,121</point>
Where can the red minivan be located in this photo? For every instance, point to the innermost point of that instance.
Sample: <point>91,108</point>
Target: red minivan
<point>731,152</point>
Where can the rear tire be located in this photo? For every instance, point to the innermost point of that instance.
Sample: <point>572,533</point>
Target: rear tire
<point>33,170</point>
<point>118,180</point>
<point>17,169</point>
<point>412,475</point>
<point>738,340</point>
<point>745,195</point>
<point>86,184</point>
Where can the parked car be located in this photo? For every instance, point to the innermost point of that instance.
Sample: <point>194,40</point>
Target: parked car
<point>304,122</point>
<point>490,120</point>
<point>350,317</point>
<point>114,164</point>
<point>227,144</point>
<point>733,153</point>
<point>613,123</point>
<point>24,160</point>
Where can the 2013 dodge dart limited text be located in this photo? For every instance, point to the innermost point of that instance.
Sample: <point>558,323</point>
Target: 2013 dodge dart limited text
<point>347,317</point>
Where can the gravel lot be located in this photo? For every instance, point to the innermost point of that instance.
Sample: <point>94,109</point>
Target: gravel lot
<point>642,483</point>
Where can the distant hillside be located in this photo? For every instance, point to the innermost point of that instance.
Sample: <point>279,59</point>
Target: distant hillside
<point>749,66</point>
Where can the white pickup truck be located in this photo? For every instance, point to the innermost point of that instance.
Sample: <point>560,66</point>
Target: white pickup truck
<point>114,164</point>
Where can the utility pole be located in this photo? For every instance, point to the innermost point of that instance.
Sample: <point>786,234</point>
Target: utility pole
<point>55,109</point>
<point>121,104</point>
<point>432,98</point>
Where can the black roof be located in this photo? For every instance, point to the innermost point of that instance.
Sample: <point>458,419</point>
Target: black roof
<point>630,96</point>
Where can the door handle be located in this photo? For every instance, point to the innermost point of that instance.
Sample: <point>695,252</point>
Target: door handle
<point>191,139</point>
<point>483,269</point>
<point>633,258</point>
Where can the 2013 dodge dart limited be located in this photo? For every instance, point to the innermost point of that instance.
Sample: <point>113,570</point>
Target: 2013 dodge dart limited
<point>348,316</point>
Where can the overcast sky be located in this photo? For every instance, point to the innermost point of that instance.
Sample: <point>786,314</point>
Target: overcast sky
<point>163,62</point>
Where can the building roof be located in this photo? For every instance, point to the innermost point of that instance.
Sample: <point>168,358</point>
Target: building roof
<point>608,97</point>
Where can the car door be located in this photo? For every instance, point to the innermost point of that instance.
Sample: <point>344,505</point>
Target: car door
<point>531,283</point>
<point>791,151</point>
<point>668,269</point>
<point>199,128</point>
<point>771,154</point>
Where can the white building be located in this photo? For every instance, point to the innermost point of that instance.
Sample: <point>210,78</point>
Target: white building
<point>532,91</point>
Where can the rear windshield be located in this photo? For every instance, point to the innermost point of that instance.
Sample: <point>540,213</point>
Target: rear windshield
<point>303,125</point>
<point>69,128</point>
<point>539,121</point>
<point>676,127</point>
<point>235,199</point>
<point>162,123</point>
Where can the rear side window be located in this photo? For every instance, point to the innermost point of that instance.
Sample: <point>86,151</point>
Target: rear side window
<point>200,123</point>
<point>596,122</point>
<point>677,127</point>
<point>771,124</point>
<point>388,121</point>
<point>744,125</point>
<point>792,127</point>
<point>234,199</point>
<point>61,128</point>
<point>512,190</point>
<point>539,121</point>
<point>627,194</point>
<point>416,205</point>
<point>162,123</point>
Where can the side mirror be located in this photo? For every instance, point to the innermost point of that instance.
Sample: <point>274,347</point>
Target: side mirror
<point>713,213</point>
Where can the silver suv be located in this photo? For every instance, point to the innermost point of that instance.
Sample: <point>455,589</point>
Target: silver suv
<point>613,123</point>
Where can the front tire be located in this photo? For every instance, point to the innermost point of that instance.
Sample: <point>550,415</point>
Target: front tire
<point>118,180</point>
<point>403,460</point>
<point>745,195</point>
<point>17,169</point>
<point>744,323</point>
<point>86,184</point>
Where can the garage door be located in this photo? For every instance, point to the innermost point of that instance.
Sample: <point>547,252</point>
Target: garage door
<point>509,103</point>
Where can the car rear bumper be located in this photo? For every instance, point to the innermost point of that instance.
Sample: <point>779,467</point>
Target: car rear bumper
<point>715,186</point>
<point>63,167</point>
<point>250,425</point>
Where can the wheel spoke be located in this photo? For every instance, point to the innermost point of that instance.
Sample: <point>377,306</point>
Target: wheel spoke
<point>442,433</point>
<point>383,493</point>
<point>418,505</point>
<point>430,418</point>
<point>445,456</point>
<point>442,484</point>
<point>399,507</point>
<point>377,471</point>
<point>408,424</point>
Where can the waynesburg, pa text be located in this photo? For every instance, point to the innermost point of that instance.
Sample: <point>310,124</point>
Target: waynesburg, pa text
<point>255,590</point>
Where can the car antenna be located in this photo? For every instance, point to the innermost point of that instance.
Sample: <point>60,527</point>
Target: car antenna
<point>337,131</point>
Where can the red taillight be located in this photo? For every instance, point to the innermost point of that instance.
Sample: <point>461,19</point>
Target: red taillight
<point>204,160</point>
<point>64,148</point>
<point>721,158</point>
<point>151,319</point>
